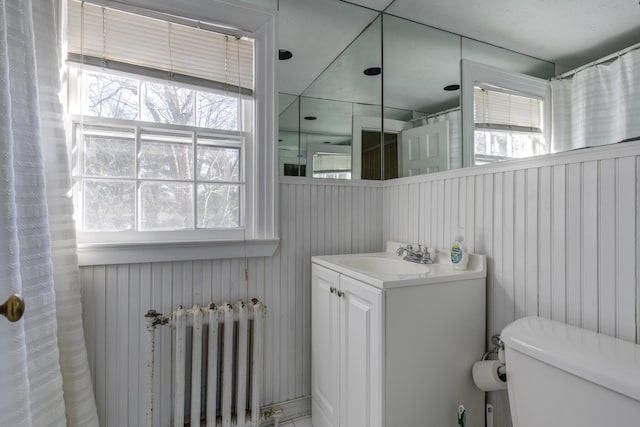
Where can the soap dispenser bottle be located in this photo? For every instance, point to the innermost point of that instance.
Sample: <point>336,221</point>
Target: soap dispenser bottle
<point>459,255</point>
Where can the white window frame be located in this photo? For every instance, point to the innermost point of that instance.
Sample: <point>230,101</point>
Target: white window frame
<point>474,73</point>
<point>260,231</point>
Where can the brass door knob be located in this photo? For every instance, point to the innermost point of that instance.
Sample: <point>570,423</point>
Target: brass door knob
<point>13,308</point>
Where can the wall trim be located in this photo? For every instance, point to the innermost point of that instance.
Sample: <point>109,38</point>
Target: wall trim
<point>603,152</point>
<point>130,253</point>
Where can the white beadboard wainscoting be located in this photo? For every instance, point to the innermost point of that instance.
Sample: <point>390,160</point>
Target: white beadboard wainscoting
<point>316,218</point>
<point>561,235</point>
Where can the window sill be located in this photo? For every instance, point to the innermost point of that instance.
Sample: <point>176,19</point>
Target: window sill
<point>133,253</point>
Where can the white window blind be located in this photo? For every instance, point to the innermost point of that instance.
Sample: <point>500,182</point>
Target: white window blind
<point>497,109</point>
<point>109,38</point>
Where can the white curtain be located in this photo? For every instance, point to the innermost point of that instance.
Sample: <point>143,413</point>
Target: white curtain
<point>44,376</point>
<point>598,105</point>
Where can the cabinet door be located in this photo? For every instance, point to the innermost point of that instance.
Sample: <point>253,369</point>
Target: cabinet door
<point>325,342</point>
<point>361,353</point>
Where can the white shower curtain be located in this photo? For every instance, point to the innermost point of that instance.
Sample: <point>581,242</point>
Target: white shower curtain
<point>598,105</point>
<point>44,375</point>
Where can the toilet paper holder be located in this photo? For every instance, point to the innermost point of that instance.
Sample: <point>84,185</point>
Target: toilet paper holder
<point>498,349</point>
<point>491,374</point>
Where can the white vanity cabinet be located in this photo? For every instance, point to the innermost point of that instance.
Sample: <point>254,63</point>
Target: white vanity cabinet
<point>346,351</point>
<point>391,353</point>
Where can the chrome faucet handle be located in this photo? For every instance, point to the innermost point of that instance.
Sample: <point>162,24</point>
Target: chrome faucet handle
<point>424,251</point>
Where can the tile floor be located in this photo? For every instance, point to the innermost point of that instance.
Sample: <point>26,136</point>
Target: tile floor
<point>298,422</point>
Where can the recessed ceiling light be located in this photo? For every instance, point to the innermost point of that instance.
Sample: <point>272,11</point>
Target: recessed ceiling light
<point>452,88</point>
<point>373,71</point>
<point>284,54</point>
<point>310,118</point>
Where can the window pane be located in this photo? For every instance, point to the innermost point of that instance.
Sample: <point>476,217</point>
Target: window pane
<point>166,206</point>
<point>499,144</point>
<point>111,96</point>
<point>218,206</point>
<point>480,141</point>
<point>165,160</point>
<point>167,103</point>
<point>218,163</point>
<point>109,156</point>
<point>108,205</point>
<point>217,111</point>
<point>492,146</point>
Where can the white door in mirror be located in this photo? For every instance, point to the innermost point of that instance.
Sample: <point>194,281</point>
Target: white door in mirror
<point>424,149</point>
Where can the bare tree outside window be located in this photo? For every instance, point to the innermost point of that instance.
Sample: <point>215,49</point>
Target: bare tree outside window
<point>169,175</point>
<point>106,156</point>
<point>168,103</point>
<point>111,96</point>
<point>108,205</point>
<point>217,111</point>
<point>218,205</point>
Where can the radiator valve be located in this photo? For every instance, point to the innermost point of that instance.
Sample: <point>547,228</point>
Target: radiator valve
<point>272,412</point>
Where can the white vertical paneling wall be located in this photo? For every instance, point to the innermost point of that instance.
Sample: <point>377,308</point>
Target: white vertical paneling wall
<point>561,235</point>
<point>317,217</point>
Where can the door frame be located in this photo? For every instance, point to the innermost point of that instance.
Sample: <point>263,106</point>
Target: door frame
<point>361,123</point>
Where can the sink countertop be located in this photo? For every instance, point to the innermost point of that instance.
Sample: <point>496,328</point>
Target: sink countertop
<point>439,272</point>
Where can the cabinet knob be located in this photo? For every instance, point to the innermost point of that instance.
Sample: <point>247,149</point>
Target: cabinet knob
<point>340,294</point>
<point>332,289</point>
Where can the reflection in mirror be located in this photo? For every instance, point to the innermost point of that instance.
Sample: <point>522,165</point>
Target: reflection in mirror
<point>328,75</point>
<point>370,160</point>
<point>325,138</point>
<point>348,90</point>
<point>506,107</point>
<point>594,106</point>
<point>419,63</point>
<point>289,163</point>
<point>506,60</point>
<point>329,41</point>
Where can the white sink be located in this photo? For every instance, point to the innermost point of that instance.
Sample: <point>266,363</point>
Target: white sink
<point>384,265</point>
<point>386,270</point>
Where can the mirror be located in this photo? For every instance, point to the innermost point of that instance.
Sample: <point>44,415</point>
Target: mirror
<point>333,42</point>
<point>419,63</point>
<point>322,87</point>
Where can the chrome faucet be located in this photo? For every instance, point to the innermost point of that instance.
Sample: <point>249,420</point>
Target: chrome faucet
<point>420,256</point>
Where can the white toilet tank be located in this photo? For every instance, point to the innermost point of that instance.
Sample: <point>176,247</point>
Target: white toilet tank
<point>564,376</point>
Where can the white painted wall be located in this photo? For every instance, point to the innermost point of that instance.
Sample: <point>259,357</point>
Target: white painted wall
<point>561,235</point>
<point>316,218</point>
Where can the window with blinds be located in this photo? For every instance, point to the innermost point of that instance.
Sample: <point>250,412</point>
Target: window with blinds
<point>117,39</point>
<point>332,165</point>
<point>507,125</point>
<point>161,115</point>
